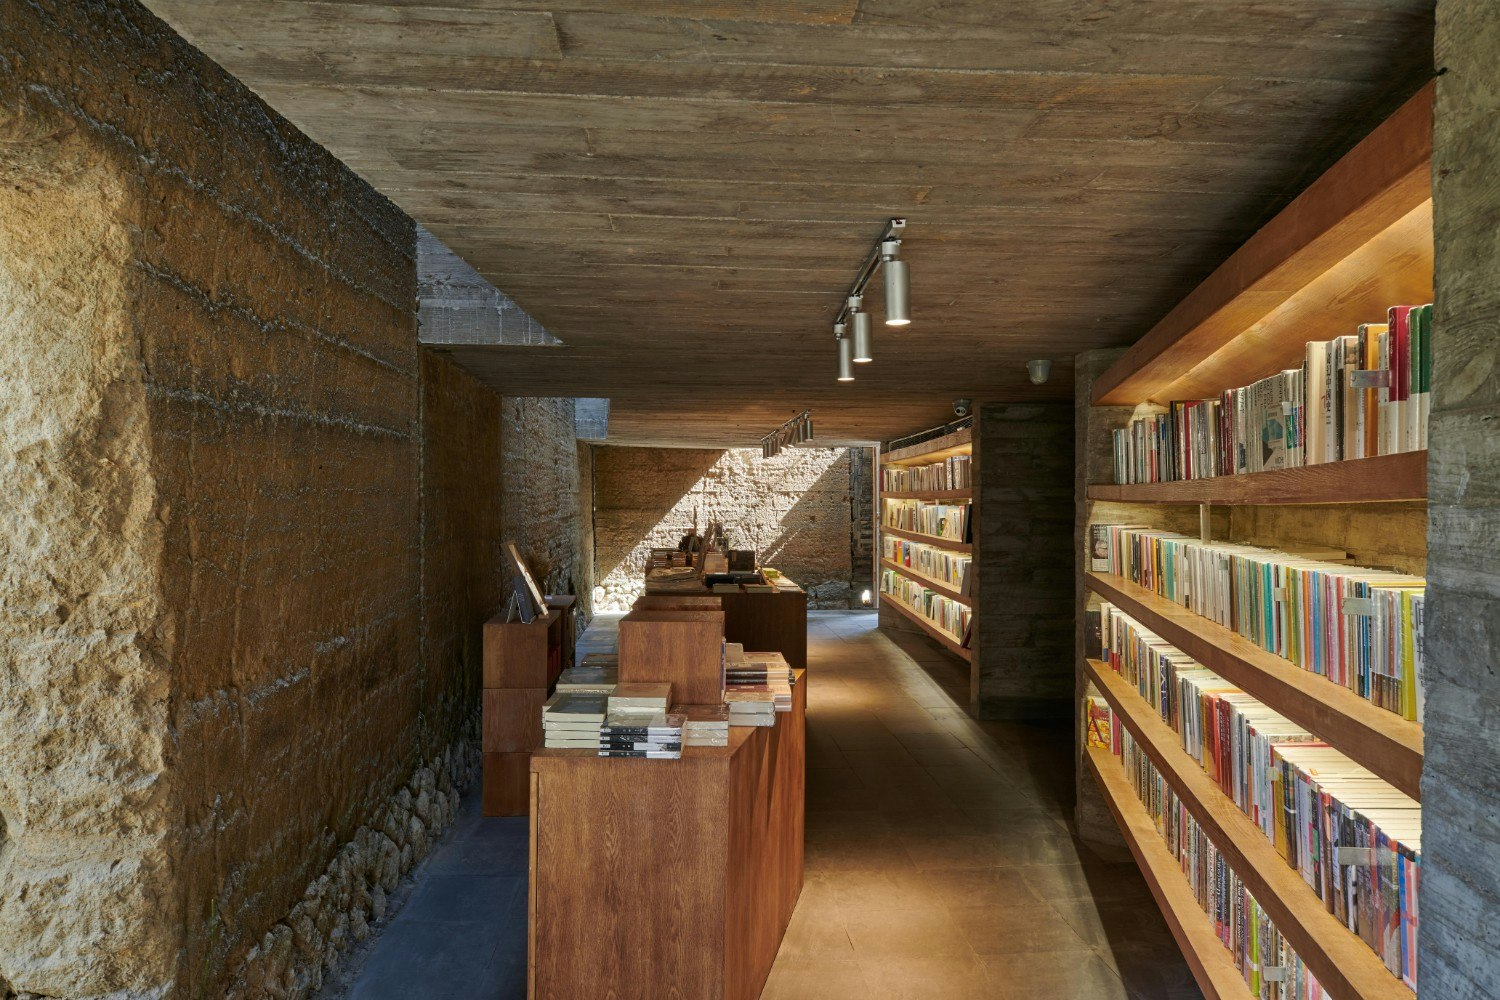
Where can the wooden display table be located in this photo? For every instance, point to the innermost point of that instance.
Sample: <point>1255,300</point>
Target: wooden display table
<point>666,878</point>
<point>761,622</point>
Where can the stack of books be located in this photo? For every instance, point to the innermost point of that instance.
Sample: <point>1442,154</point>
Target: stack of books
<point>638,733</point>
<point>704,725</point>
<point>750,708</point>
<point>598,677</point>
<point>760,672</point>
<point>571,720</point>
<point>637,723</point>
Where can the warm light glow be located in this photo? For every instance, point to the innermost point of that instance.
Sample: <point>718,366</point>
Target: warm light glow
<point>897,322</point>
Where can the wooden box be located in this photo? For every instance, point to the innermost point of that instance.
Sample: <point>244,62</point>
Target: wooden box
<point>511,719</point>
<point>683,648</point>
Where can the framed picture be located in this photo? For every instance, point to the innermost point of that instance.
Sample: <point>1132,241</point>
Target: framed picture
<point>525,584</point>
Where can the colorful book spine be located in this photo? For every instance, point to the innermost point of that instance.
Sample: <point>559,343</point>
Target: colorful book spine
<point>1358,627</point>
<point>1356,396</point>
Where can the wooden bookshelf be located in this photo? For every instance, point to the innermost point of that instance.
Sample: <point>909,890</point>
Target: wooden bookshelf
<point>933,540</point>
<point>1211,963</point>
<point>1362,480</point>
<point>945,639</point>
<point>1358,240</point>
<point>936,586</point>
<point>1345,966</point>
<point>934,495</point>
<point>959,442</point>
<point>1381,741</point>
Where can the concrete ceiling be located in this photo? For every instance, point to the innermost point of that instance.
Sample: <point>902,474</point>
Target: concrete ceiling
<point>683,192</point>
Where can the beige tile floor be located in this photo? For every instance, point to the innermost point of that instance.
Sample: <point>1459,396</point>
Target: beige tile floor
<point>939,863</point>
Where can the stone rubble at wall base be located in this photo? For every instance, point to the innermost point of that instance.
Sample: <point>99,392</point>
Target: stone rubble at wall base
<point>336,912</point>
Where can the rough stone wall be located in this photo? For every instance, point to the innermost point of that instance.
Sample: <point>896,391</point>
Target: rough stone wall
<point>234,698</point>
<point>862,554</point>
<point>793,509</point>
<point>1023,665</point>
<point>1459,947</point>
<point>540,497</point>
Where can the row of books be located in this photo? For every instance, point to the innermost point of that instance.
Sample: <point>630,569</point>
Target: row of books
<point>944,612</point>
<point>1358,396</point>
<point>941,520</point>
<point>1354,838</point>
<point>941,565</point>
<point>1361,628</point>
<point>1272,970</point>
<point>950,474</point>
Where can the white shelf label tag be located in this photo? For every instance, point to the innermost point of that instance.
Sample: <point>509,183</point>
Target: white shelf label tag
<point>1370,378</point>
<point>1278,594</point>
<point>1273,973</point>
<point>1286,406</point>
<point>1354,856</point>
<point>1359,607</point>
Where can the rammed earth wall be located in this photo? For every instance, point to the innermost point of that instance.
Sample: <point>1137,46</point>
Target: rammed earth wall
<point>250,530</point>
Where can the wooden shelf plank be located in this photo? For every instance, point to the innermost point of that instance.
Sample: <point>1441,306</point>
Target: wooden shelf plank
<point>927,494</point>
<point>937,586</point>
<point>1358,240</point>
<point>933,540</point>
<point>1345,966</point>
<point>1382,741</point>
<point>1361,480</point>
<point>1211,963</point>
<point>944,639</point>
<point>959,442</point>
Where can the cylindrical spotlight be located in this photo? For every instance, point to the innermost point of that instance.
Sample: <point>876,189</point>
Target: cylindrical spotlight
<point>864,337</point>
<point>846,360</point>
<point>897,285</point>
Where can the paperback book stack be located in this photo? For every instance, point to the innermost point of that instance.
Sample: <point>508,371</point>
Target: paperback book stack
<point>704,725</point>
<point>633,733</point>
<point>638,725</point>
<point>571,720</point>
<point>759,672</point>
<point>597,676</point>
<point>750,708</point>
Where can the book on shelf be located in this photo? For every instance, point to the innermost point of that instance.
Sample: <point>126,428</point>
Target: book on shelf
<point>952,569</point>
<point>1270,967</point>
<point>1356,396</point>
<point>1359,627</point>
<point>1354,840</point>
<point>944,612</point>
<point>952,473</point>
<point>638,732</point>
<point>950,521</point>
